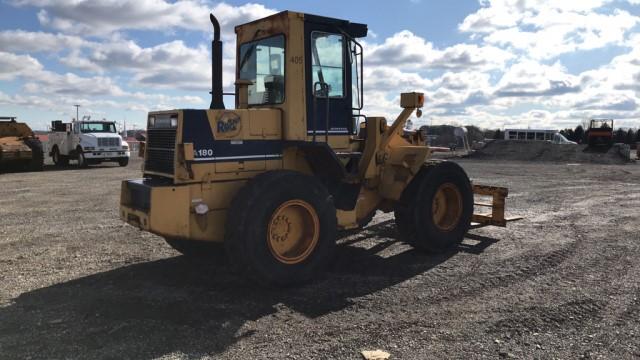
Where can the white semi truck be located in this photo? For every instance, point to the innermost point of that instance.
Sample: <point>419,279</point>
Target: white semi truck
<point>87,142</point>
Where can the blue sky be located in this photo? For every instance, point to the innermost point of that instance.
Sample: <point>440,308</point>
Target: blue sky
<point>490,63</point>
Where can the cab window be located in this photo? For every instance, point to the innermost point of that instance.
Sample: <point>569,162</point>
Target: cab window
<point>262,62</point>
<point>327,64</point>
<point>98,127</point>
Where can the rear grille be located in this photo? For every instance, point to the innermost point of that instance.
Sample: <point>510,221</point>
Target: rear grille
<point>108,142</point>
<point>161,145</point>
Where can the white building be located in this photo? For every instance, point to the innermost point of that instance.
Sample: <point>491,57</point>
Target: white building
<point>529,134</point>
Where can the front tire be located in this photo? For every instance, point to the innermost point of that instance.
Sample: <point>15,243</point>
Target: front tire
<point>82,161</point>
<point>435,210</point>
<point>281,228</point>
<point>123,162</point>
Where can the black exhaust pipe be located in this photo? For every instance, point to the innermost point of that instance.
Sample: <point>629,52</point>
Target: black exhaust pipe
<point>216,66</point>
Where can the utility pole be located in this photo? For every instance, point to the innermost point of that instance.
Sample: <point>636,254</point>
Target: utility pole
<point>77,112</point>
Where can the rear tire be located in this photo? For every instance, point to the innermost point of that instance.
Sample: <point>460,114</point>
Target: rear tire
<point>281,228</point>
<point>435,210</point>
<point>58,159</point>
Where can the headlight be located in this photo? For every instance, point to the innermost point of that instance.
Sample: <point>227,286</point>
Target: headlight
<point>174,121</point>
<point>152,121</point>
<point>125,147</point>
<point>89,148</point>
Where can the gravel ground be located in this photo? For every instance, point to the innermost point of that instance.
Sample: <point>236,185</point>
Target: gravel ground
<point>563,283</point>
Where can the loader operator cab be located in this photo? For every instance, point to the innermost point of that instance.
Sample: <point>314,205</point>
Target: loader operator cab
<point>291,59</point>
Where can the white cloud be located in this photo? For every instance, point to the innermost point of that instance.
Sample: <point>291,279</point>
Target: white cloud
<point>168,65</point>
<point>13,66</point>
<point>384,78</point>
<point>29,101</point>
<point>570,33</point>
<point>500,14</point>
<point>71,84</point>
<point>33,42</point>
<point>546,29</point>
<point>40,86</point>
<point>402,49</point>
<point>471,56</point>
<point>407,50</point>
<point>89,17</point>
<point>529,78</point>
<point>460,81</point>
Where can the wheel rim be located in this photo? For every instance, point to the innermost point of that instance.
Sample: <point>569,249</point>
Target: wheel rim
<point>294,229</point>
<point>446,209</point>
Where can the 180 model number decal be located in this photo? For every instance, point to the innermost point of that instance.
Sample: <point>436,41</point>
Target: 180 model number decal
<point>204,152</point>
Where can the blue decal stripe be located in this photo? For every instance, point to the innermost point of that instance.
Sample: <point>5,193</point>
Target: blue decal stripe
<point>237,158</point>
<point>197,130</point>
<point>321,132</point>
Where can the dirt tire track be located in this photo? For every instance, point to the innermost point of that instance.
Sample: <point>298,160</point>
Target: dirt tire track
<point>570,315</point>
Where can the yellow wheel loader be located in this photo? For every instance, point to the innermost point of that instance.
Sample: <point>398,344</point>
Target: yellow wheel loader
<point>273,180</point>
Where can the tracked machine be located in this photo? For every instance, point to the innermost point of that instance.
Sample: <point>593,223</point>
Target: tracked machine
<point>20,148</point>
<point>273,180</point>
<point>600,133</point>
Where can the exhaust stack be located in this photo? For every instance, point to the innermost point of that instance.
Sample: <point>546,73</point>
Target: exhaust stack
<point>216,66</point>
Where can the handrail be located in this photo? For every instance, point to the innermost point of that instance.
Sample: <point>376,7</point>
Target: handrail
<point>321,91</point>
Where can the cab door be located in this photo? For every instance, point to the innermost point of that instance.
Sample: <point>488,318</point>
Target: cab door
<point>328,83</point>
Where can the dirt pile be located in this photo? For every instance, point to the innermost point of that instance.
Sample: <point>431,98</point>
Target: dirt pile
<point>546,151</point>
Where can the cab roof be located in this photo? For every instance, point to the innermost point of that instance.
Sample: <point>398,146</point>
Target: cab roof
<point>355,30</point>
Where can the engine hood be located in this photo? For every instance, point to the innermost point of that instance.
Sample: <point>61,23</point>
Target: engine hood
<point>101,135</point>
<point>100,140</point>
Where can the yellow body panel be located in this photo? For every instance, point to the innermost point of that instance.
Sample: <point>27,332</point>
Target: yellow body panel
<point>291,25</point>
<point>171,212</point>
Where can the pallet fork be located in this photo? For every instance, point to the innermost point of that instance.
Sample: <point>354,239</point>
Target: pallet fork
<point>496,216</point>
